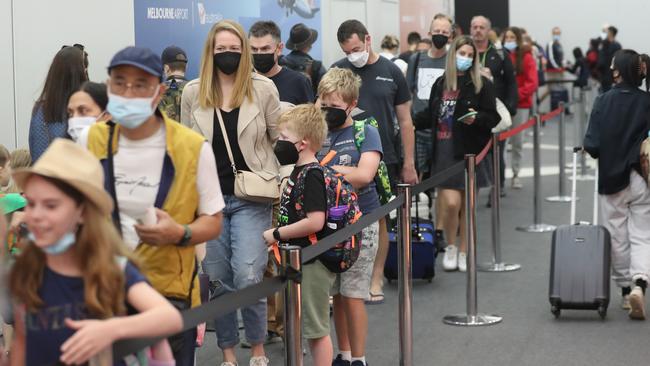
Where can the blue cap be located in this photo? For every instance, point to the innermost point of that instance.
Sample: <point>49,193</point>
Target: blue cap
<point>140,57</point>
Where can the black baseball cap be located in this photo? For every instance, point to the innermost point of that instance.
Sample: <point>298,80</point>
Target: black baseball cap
<point>140,57</point>
<point>173,54</point>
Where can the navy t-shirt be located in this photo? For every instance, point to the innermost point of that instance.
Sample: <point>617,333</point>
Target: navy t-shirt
<point>63,297</point>
<point>293,87</point>
<point>347,154</point>
<point>383,86</point>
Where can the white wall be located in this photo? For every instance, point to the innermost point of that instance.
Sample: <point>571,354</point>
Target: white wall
<point>582,20</point>
<point>7,117</point>
<point>40,28</point>
<point>381,17</point>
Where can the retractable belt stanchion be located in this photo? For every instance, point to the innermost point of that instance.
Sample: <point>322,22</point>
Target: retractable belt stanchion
<point>405,279</point>
<point>497,265</point>
<point>537,226</point>
<point>562,196</point>
<point>291,268</point>
<point>472,317</point>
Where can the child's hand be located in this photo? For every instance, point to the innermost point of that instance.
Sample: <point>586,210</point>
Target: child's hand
<point>268,236</point>
<point>90,338</point>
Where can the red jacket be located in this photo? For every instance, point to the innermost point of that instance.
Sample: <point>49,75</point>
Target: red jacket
<point>526,80</point>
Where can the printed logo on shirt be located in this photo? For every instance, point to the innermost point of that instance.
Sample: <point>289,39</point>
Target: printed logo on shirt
<point>384,79</point>
<point>52,317</point>
<point>447,114</point>
<point>134,183</point>
<point>345,160</point>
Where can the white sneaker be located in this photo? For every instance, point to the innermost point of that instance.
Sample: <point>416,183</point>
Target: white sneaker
<point>637,303</point>
<point>259,361</point>
<point>450,260</point>
<point>462,262</point>
<point>516,183</point>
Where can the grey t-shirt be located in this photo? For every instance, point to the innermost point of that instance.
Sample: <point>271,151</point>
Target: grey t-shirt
<point>383,87</point>
<point>421,79</point>
<point>347,154</point>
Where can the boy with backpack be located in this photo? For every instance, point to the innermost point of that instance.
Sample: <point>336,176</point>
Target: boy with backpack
<point>304,207</point>
<point>353,149</point>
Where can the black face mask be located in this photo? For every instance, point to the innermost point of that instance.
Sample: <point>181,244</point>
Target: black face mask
<point>439,40</point>
<point>286,152</point>
<point>264,62</point>
<point>335,117</point>
<point>227,62</point>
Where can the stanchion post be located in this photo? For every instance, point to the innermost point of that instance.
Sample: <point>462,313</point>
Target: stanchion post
<point>497,265</point>
<point>537,226</point>
<point>583,130</point>
<point>291,268</point>
<point>405,282</point>
<point>584,118</point>
<point>472,317</point>
<point>562,196</point>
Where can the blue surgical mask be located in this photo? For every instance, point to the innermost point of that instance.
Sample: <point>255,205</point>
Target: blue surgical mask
<point>463,63</point>
<point>60,246</point>
<point>130,112</point>
<point>510,46</point>
<point>556,37</point>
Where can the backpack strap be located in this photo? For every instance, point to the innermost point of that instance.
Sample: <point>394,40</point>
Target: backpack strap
<point>358,128</point>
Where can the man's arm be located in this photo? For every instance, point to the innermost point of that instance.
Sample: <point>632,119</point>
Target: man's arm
<point>407,131</point>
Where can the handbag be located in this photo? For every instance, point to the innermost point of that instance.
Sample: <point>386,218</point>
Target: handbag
<point>644,160</point>
<point>248,185</point>
<point>506,119</point>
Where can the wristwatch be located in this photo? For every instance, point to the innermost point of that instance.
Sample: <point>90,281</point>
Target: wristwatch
<point>187,236</point>
<point>276,234</point>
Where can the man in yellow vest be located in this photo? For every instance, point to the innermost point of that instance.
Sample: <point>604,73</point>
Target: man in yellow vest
<point>163,178</point>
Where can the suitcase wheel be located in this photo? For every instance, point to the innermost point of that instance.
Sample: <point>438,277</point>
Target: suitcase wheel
<point>556,311</point>
<point>602,311</point>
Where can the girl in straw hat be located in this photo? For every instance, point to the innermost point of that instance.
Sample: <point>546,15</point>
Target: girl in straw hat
<point>74,280</point>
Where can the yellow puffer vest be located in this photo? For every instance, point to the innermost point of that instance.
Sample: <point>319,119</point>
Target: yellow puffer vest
<point>169,268</point>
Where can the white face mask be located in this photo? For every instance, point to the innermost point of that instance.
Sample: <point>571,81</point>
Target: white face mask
<point>77,124</point>
<point>603,35</point>
<point>359,59</point>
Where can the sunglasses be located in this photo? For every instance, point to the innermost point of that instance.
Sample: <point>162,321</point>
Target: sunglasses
<point>77,45</point>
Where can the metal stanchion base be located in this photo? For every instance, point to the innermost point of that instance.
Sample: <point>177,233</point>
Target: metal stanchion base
<point>465,320</point>
<point>499,267</point>
<point>559,199</point>
<point>537,228</point>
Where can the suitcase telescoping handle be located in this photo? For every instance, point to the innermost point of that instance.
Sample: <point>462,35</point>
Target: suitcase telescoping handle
<point>574,179</point>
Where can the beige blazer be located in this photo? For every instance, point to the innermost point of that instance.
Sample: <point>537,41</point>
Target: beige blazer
<point>256,127</point>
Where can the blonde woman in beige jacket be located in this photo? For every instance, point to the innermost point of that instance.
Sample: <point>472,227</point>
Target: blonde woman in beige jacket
<point>249,106</point>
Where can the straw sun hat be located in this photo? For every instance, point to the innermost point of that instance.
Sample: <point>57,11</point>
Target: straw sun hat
<point>72,164</point>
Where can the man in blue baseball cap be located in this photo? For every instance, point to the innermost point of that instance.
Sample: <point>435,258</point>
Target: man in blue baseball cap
<point>163,178</point>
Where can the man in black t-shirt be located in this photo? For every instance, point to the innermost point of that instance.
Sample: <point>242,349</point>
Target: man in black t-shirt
<point>266,44</point>
<point>384,94</point>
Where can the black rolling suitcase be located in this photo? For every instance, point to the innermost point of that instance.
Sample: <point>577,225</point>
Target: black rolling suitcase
<point>580,262</point>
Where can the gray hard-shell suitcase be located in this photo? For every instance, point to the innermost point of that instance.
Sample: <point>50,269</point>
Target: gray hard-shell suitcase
<point>580,262</point>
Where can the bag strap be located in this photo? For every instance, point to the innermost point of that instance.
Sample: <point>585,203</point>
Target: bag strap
<point>226,140</point>
<point>111,177</point>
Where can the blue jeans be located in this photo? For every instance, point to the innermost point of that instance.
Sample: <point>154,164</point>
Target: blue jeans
<point>237,260</point>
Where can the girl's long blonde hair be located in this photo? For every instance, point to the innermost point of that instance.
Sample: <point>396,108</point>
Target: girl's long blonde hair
<point>98,248</point>
<point>210,95</point>
<point>451,79</point>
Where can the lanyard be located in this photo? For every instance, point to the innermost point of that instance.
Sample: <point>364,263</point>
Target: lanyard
<point>485,55</point>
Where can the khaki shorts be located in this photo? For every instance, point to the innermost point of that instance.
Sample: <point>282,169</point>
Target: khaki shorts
<point>355,282</point>
<point>316,283</point>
